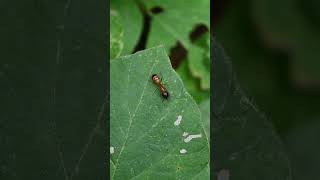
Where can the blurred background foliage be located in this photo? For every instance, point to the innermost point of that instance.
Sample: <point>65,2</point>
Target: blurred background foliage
<point>275,50</point>
<point>141,24</point>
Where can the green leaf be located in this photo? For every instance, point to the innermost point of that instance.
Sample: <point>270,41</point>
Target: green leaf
<point>241,132</point>
<point>116,34</point>
<point>205,118</point>
<point>144,137</point>
<point>192,84</point>
<point>199,61</point>
<point>205,115</point>
<point>204,174</point>
<point>176,21</point>
<point>131,19</point>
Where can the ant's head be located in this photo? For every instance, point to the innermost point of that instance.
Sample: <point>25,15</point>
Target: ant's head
<point>155,78</point>
<point>153,75</point>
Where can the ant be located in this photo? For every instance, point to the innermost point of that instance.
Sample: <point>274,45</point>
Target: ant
<point>157,80</point>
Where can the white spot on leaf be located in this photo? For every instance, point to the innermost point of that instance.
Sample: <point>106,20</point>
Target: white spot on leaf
<point>185,134</point>
<point>111,150</point>
<point>183,151</point>
<point>223,174</point>
<point>178,121</point>
<point>114,12</point>
<point>190,137</point>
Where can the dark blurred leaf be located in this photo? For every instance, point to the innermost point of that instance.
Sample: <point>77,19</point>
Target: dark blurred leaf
<point>303,146</point>
<point>262,72</point>
<point>53,88</point>
<point>294,28</point>
<point>245,143</point>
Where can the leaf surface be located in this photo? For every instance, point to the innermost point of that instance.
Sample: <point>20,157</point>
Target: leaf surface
<point>205,118</point>
<point>147,144</point>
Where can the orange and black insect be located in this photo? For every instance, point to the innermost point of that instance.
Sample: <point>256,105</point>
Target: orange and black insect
<point>157,80</point>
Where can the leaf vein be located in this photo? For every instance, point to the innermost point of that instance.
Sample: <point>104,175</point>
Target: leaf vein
<point>131,120</point>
